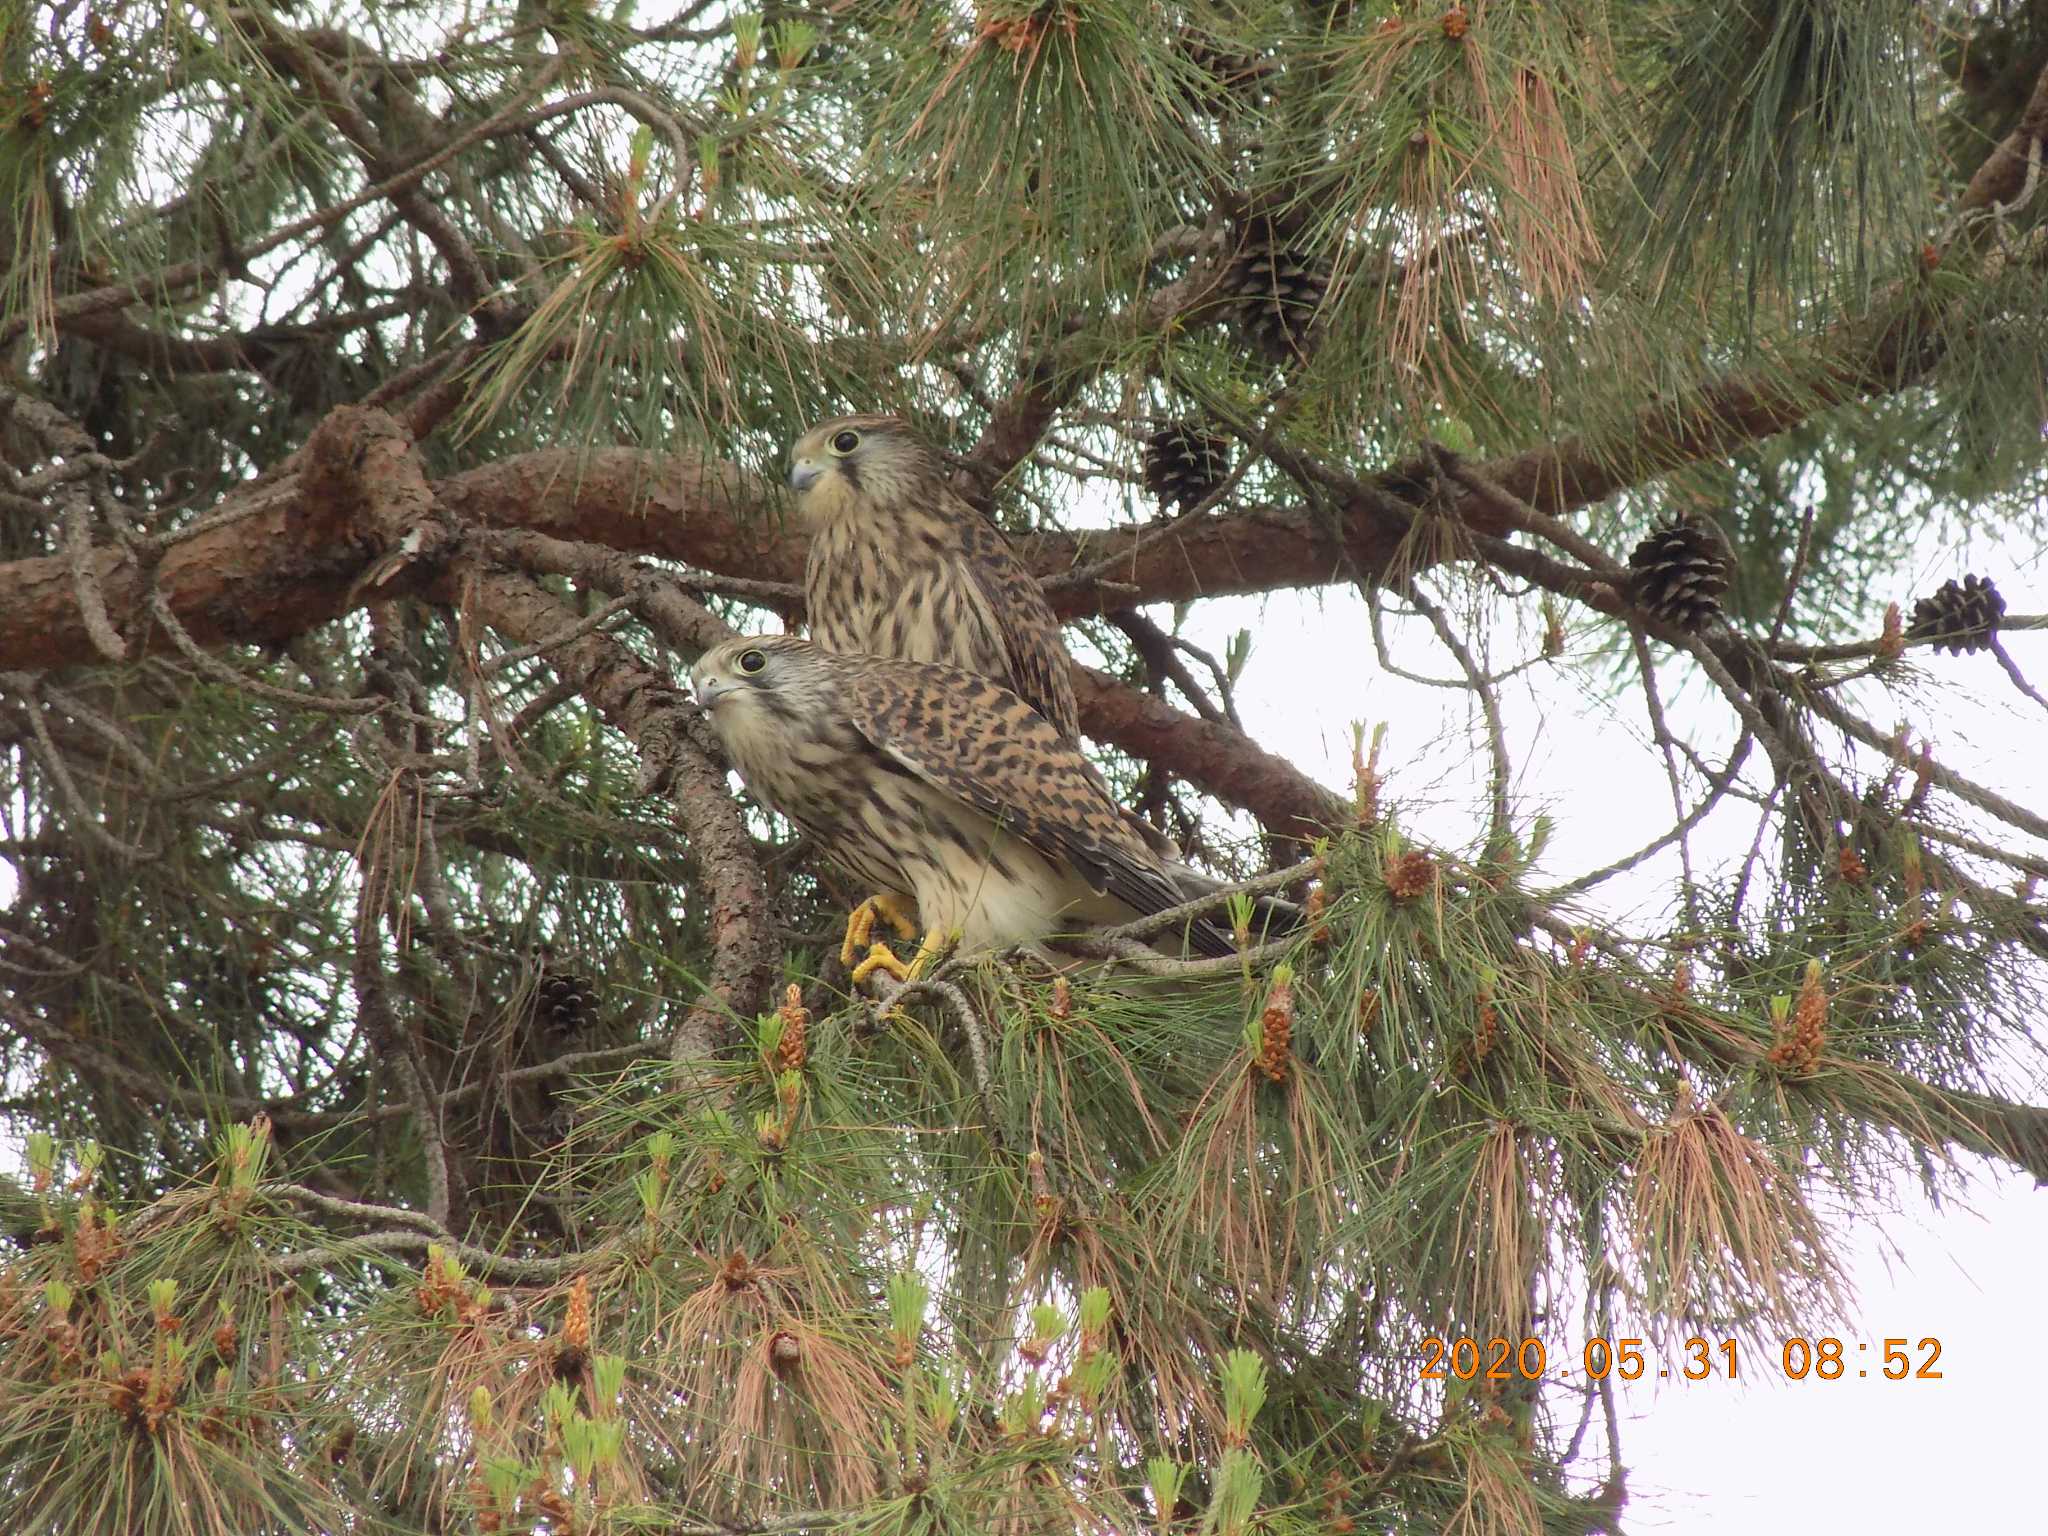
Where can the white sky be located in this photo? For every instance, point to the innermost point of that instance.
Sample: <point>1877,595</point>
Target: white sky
<point>1765,1454</point>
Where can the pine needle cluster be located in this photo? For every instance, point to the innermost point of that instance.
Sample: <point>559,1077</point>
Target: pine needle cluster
<point>433,1098</point>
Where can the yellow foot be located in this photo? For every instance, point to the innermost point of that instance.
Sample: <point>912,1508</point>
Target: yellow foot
<point>881,958</point>
<point>860,926</point>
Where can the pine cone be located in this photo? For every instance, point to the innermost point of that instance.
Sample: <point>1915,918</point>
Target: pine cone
<point>1234,79</point>
<point>1682,570</point>
<point>1960,617</point>
<point>1278,290</point>
<point>1184,464</point>
<point>563,1002</point>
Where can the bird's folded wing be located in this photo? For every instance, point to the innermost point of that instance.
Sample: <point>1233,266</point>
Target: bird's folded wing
<point>1039,665</point>
<point>981,744</point>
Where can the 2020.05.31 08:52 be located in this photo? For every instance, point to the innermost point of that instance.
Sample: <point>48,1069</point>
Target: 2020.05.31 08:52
<point>1826,1358</point>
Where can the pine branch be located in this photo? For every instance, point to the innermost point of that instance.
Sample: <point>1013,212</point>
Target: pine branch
<point>308,884</point>
<point>647,708</point>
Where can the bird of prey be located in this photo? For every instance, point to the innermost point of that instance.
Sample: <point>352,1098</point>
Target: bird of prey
<point>937,785</point>
<point>902,566</point>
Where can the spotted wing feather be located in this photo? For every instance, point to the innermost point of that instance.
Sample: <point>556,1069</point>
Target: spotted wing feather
<point>970,738</point>
<point>1023,621</point>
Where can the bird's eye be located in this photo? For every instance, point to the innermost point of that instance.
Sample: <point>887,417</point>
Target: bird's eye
<point>845,442</point>
<point>752,662</point>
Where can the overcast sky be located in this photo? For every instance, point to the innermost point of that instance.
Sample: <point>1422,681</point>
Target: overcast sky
<point>1764,1454</point>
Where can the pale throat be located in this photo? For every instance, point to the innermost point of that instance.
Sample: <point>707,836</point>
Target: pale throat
<point>825,503</point>
<point>740,723</point>
<point>891,494</point>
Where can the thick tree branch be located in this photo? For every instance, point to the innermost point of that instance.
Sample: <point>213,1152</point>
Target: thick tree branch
<point>645,707</point>
<point>362,478</point>
<point>1209,754</point>
<point>290,555</point>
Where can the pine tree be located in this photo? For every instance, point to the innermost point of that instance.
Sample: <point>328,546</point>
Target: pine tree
<point>392,404</point>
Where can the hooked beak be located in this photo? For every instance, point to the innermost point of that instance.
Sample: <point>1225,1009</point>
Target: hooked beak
<point>803,474</point>
<point>709,690</point>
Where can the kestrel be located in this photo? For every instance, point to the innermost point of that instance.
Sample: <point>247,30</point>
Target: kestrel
<point>938,785</point>
<point>902,566</point>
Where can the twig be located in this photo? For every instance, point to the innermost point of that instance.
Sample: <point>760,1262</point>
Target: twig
<point>1718,786</point>
<point>1571,1452</point>
<point>1496,735</point>
<point>971,1026</point>
<point>636,104</point>
<point>213,667</point>
<point>782,596</point>
<point>682,622</point>
<point>394,1045</point>
<point>1156,647</point>
<point>1789,764</point>
<point>1053,378</point>
<point>1612,1416</point>
<point>576,631</point>
<point>1099,572</point>
<point>1383,652</point>
<point>1793,579</point>
<point>1756,849</point>
<point>1962,788</point>
<point>549,699</point>
<point>1517,513</point>
<point>2012,670</point>
<point>1667,744</point>
<point>124,746</point>
<point>421,1229</point>
<point>1861,650</point>
<point>27,686</point>
<point>2032,865</point>
<point>85,582</point>
<point>1109,945</point>
<point>1208,901</point>
<point>291,755</point>
<point>1226,695</point>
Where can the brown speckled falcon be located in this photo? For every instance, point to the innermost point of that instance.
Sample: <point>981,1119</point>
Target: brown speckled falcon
<point>901,566</point>
<point>937,785</point>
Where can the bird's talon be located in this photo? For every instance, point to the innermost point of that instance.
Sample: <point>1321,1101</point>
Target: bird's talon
<point>882,958</point>
<point>860,925</point>
<point>900,920</point>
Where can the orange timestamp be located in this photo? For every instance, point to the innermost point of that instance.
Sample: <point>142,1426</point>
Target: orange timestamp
<point>1825,1359</point>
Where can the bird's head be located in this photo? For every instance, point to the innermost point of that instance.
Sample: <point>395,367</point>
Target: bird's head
<point>756,672</point>
<point>856,465</point>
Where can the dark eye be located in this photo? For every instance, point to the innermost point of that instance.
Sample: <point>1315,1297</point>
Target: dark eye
<point>845,442</point>
<point>752,662</point>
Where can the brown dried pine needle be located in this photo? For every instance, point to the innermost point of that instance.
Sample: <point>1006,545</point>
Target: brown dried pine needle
<point>1721,1229</point>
